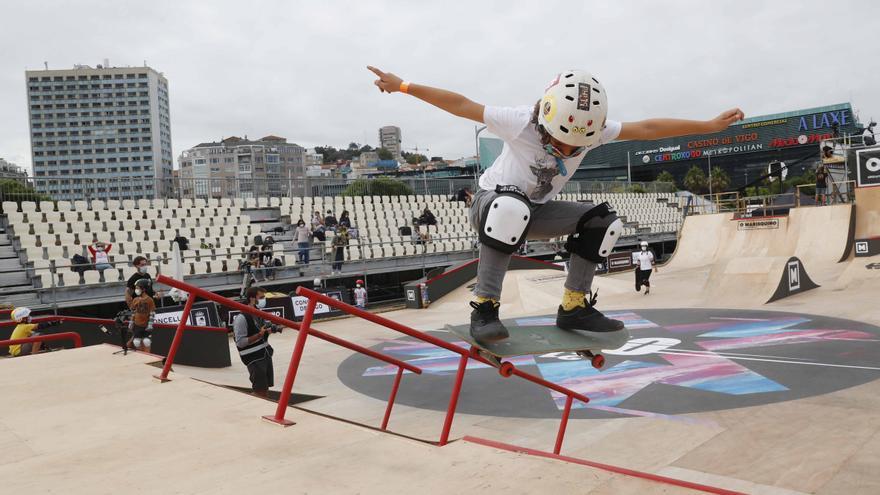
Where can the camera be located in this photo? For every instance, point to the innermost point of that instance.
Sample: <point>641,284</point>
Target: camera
<point>273,328</point>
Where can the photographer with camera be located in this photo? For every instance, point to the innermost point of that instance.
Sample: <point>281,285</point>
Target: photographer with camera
<point>252,340</point>
<point>143,312</point>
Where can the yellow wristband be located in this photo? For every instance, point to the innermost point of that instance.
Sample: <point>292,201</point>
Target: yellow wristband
<point>404,87</point>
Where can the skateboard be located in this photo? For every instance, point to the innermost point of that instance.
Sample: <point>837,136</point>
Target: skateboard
<point>532,339</point>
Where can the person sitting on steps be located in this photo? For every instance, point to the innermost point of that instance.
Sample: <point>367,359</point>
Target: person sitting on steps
<point>544,144</point>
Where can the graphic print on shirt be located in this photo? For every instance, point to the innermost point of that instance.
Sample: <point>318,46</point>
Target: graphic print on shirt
<point>544,176</point>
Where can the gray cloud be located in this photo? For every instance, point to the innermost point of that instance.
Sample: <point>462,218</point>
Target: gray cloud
<point>296,69</point>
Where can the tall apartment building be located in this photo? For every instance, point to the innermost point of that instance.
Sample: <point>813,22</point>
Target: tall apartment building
<point>101,132</point>
<point>236,167</point>
<point>389,138</point>
<point>11,171</point>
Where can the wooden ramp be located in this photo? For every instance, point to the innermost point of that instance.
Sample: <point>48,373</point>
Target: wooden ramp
<point>86,421</point>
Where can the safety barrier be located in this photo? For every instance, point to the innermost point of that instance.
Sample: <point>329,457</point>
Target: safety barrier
<point>105,321</point>
<point>303,329</point>
<point>507,369</point>
<point>77,340</point>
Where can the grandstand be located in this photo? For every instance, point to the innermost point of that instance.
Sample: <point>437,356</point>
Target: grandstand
<point>41,237</point>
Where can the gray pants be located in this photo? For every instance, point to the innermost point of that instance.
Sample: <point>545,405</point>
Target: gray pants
<point>552,219</point>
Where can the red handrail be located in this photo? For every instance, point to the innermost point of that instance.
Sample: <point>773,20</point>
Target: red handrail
<point>507,368</point>
<point>284,399</point>
<point>77,340</point>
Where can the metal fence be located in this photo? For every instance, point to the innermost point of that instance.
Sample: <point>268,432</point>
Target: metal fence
<point>71,188</point>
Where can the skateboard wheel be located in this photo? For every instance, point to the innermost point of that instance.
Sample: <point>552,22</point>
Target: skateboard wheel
<point>506,369</point>
<point>598,361</point>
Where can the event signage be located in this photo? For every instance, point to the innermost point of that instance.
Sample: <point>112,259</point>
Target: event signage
<point>868,170</point>
<point>759,224</point>
<point>202,314</point>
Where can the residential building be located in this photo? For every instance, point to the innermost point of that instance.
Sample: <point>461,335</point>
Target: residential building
<point>367,159</point>
<point>11,171</point>
<point>389,138</point>
<point>239,167</point>
<point>101,132</point>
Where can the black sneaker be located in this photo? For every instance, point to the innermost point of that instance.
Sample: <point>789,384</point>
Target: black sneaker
<point>485,325</point>
<point>587,318</point>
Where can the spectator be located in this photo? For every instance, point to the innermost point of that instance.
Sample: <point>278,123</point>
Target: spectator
<point>267,257</point>
<point>26,329</point>
<point>419,237</point>
<point>100,251</point>
<point>142,265</point>
<point>360,294</point>
<point>821,182</point>
<point>465,195</point>
<point>303,236</point>
<point>427,218</point>
<point>253,258</point>
<point>330,221</point>
<point>317,221</point>
<point>868,136</point>
<point>344,220</point>
<point>143,312</point>
<point>252,340</point>
<point>340,242</point>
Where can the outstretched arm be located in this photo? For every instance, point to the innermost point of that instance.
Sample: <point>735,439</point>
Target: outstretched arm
<point>645,130</point>
<point>453,103</point>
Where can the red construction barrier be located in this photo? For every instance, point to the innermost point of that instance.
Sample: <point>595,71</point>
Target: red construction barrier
<point>507,368</point>
<point>284,399</point>
<point>77,340</point>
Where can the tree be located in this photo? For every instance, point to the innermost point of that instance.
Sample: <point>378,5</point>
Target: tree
<point>695,180</point>
<point>366,147</point>
<point>720,180</point>
<point>353,146</point>
<point>414,158</point>
<point>385,154</point>
<point>381,186</point>
<point>665,176</point>
<point>17,191</point>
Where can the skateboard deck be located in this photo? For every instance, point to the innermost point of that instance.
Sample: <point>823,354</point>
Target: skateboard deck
<point>542,339</point>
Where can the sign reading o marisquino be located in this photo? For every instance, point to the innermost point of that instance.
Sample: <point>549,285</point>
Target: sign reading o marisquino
<point>763,223</point>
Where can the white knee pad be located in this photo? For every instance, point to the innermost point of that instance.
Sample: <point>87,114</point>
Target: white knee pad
<point>136,342</point>
<point>147,341</point>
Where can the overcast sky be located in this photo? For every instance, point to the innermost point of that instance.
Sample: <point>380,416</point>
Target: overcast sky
<point>296,68</point>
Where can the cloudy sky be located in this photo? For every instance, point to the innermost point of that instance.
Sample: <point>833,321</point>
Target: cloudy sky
<point>296,68</point>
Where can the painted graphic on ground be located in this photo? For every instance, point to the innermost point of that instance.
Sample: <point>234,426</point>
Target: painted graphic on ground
<point>678,361</point>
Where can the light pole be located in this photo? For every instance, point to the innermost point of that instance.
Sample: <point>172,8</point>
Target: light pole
<point>477,131</point>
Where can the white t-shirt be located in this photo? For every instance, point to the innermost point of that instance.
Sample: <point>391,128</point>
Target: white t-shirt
<point>523,162</point>
<point>644,259</point>
<point>360,296</point>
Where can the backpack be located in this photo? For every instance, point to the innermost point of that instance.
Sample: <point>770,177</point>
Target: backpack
<point>181,241</point>
<point>80,264</point>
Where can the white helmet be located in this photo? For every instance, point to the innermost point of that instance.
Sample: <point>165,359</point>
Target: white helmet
<point>573,108</point>
<point>19,314</point>
<point>644,244</point>
<point>317,282</point>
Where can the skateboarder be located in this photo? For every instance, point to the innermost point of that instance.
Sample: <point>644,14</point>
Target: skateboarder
<point>544,144</point>
<point>644,261</point>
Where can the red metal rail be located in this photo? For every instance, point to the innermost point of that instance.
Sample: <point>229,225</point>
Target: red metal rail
<point>304,331</point>
<point>507,368</point>
<point>77,340</point>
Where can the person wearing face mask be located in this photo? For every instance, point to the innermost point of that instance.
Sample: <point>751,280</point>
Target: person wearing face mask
<point>544,145</point>
<point>303,236</point>
<point>645,263</point>
<point>100,252</point>
<point>143,312</point>
<point>360,295</point>
<point>142,267</point>
<point>252,340</point>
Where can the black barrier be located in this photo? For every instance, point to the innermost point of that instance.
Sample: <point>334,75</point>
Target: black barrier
<point>202,348</point>
<point>867,247</point>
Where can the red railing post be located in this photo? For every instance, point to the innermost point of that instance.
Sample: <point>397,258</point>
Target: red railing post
<point>391,398</point>
<point>284,398</point>
<point>178,337</point>
<point>453,399</point>
<point>561,433</point>
<point>75,337</point>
